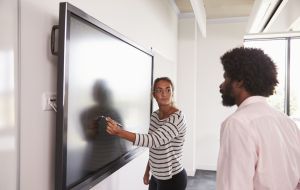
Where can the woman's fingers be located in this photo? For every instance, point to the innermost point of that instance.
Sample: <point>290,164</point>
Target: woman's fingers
<point>108,130</point>
<point>111,126</point>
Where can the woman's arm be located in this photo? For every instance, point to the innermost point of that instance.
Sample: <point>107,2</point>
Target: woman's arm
<point>157,138</point>
<point>147,174</point>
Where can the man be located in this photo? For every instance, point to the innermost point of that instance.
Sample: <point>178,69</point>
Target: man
<point>260,147</point>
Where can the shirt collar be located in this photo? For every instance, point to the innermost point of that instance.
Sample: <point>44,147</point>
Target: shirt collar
<point>251,100</point>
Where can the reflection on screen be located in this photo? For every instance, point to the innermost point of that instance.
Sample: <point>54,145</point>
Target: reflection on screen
<point>106,77</point>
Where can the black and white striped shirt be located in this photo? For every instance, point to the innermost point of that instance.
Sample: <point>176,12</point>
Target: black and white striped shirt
<point>165,140</point>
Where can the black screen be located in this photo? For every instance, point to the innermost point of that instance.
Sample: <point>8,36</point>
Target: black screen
<point>104,75</point>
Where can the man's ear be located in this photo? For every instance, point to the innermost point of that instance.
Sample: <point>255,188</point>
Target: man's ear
<point>238,83</point>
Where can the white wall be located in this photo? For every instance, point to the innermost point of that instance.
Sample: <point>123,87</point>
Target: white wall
<point>222,35</point>
<point>199,75</point>
<point>150,23</point>
<point>8,94</point>
<point>187,78</point>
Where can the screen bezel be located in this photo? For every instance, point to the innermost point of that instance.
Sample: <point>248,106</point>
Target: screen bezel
<point>65,12</point>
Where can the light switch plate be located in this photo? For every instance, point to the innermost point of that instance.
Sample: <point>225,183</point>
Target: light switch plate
<point>46,101</point>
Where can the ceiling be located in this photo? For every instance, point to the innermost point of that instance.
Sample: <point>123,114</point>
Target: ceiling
<point>218,9</point>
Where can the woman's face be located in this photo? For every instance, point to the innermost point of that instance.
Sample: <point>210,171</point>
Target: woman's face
<point>163,93</point>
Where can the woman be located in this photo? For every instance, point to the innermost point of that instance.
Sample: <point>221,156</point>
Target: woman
<point>165,140</point>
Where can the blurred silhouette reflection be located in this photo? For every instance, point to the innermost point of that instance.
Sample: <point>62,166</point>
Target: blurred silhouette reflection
<point>102,147</point>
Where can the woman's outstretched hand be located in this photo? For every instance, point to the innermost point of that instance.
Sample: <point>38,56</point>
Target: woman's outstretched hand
<point>112,126</point>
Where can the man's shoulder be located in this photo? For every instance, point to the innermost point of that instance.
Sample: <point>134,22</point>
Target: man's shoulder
<point>232,120</point>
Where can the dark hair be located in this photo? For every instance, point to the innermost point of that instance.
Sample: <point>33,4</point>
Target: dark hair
<point>253,67</point>
<point>164,79</point>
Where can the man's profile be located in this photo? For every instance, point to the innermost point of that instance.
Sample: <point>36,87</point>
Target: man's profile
<point>259,146</point>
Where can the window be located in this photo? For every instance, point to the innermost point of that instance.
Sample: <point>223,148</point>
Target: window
<point>294,102</point>
<point>276,49</point>
<point>283,51</point>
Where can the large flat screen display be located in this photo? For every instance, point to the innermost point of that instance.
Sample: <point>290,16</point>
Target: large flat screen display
<point>100,73</point>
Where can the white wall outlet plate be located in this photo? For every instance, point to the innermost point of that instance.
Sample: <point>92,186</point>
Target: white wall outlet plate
<point>47,98</point>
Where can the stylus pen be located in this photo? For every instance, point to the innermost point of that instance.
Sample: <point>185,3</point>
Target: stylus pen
<point>103,117</point>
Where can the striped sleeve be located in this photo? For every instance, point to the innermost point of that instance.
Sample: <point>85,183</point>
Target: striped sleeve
<point>162,134</point>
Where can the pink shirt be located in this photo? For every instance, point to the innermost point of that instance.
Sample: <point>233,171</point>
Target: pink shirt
<point>259,149</point>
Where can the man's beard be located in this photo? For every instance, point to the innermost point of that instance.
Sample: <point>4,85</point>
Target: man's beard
<point>227,98</point>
